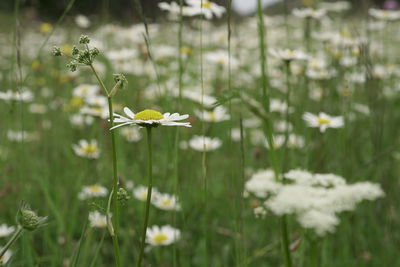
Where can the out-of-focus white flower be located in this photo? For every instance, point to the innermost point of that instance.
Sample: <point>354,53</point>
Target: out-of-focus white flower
<point>97,220</point>
<point>166,202</point>
<point>309,13</point>
<point>162,236</point>
<point>131,134</point>
<point>385,15</point>
<point>338,6</point>
<point>206,8</point>
<point>87,149</point>
<point>323,121</point>
<point>92,191</point>
<point>288,54</point>
<point>81,120</point>
<point>6,257</point>
<point>19,136</point>
<point>6,230</point>
<point>216,115</point>
<point>82,21</point>
<point>37,108</point>
<point>196,96</point>
<point>86,90</point>
<point>221,58</point>
<point>204,143</point>
<point>22,96</point>
<point>140,192</point>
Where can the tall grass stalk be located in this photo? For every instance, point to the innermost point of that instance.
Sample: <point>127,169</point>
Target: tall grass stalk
<point>268,130</point>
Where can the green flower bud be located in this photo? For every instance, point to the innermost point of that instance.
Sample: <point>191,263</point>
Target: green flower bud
<point>94,52</point>
<point>120,78</point>
<point>84,39</point>
<point>28,219</point>
<point>75,51</point>
<point>122,196</point>
<point>72,66</point>
<point>56,51</point>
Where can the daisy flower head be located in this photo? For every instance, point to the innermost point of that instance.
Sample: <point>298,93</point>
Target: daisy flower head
<point>216,115</point>
<point>162,236</point>
<point>206,8</point>
<point>288,54</point>
<point>92,191</point>
<point>87,149</point>
<point>6,230</point>
<point>323,121</point>
<point>150,118</point>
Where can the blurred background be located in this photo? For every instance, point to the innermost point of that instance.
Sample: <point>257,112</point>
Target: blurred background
<point>123,10</point>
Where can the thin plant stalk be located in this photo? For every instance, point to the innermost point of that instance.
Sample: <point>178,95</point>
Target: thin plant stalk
<point>114,233</point>
<point>287,115</point>
<point>14,238</point>
<point>268,128</point>
<point>149,190</point>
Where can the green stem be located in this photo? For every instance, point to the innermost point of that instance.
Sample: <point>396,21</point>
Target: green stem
<point>96,254</point>
<point>286,162</point>
<point>149,189</point>
<point>14,238</point>
<point>115,172</point>
<point>285,242</point>
<point>314,253</point>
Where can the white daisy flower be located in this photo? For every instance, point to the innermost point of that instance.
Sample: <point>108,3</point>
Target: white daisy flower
<point>6,257</point>
<point>149,117</point>
<point>82,21</point>
<point>6,230</point>
<point>23,96</point>
<point>92,191</point>
<point>206,8</point>
<point>86,90</point>
<point>162,236</point>
<point>166,202</point>
<point>87,149</point>
<point>309,13</point>
<point>131,134</point>
<point>140,192</point>
<point>388,15</point>
<point>97,220</point>
<point>204,143</point>
<point>288,54</point>
<point>216,115</point>
<point>323,121</point>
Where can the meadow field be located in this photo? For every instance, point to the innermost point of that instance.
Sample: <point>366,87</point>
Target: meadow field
<point>201,138</point>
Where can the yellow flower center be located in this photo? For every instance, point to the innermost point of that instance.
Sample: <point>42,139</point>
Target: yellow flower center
<point>166,202</point>
<point>323,121</point>
<point>212,116</point>
<point>160,238</point>
<point>90,149</point>
<point>206,4</point>
<point>95,188</point>
<point>45,28</point>
<point>148,114</point>
<point>185,50</point>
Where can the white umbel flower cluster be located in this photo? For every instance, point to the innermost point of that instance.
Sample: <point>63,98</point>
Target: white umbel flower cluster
<point>315,199</point>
